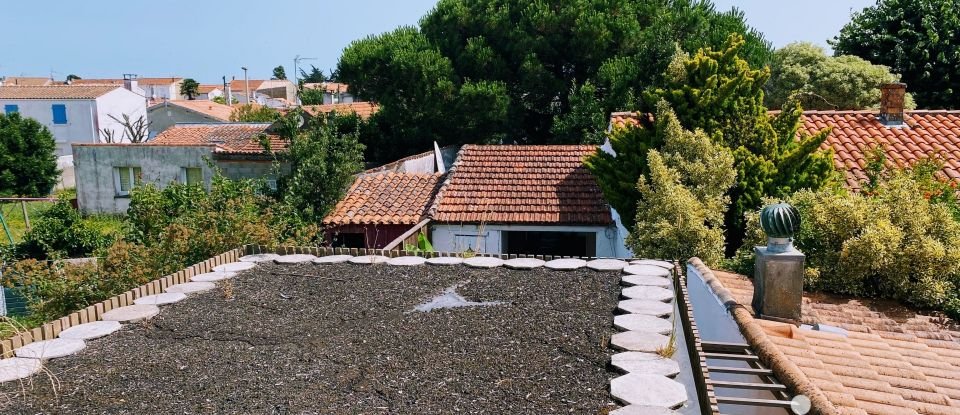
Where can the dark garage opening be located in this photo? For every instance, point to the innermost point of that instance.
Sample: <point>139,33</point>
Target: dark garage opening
<point>349,240</point>
<point>582,244</point>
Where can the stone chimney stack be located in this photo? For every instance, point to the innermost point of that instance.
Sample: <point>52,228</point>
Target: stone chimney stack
<point>778,271</point>
<point>130,81</point>
<point>891,103</point>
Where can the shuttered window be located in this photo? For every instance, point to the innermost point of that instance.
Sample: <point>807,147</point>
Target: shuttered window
<point>59,114</point>
<point>10,109</point>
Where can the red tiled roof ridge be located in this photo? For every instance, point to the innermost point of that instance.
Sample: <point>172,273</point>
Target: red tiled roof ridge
<point>389,198</point>
<point>229,138</point>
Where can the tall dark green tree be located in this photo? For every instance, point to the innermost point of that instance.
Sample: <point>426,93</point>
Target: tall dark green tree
<point>314,76</point>
<point>547,64</point>
<point>919,39</point>
<point>28,161</point>
<point>279,73</point>
<point>190,88</point>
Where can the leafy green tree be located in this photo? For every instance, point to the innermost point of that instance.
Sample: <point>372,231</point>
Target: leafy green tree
<point>541,61</point>
<point>314,76</point>
<point>919,39</point>
<point>279,73</point>
<point>190,88</point>
<point>311,96</point>
<point>254,113</point>
<point>323,158</point>
<point>28,161</point>
<point>222,99</point>
<point>804,72</point>
<point>60,232</point>
<point>683,196</point>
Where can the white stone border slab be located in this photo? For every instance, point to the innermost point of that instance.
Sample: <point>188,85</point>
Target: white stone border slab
<point>654,262</point>
<point>294,259</point>
<point>50,349</point>
<point>88,331</point>
<point>191,287</point>
<point>445,260</point>
<point>16,368</point>
<point>524,263</point>
<point>648,307</point>
<point>332,259</point>
<point>649,363</point>
<point>565,264</point>
<point>234,267</point>
<point>643,322</point>
<point>369,260</point>
<point>638,341</point>
<point>606,264</point>
<point>650,270</point>
<point>406,261</point>
<point>131,313</point>
<point>646,280</point>
<point>259,258</point>
<point>213,276</point>
<point>483,262</point>
<point>160,299</point>
<point>648,390</point>
<point>647,292</point>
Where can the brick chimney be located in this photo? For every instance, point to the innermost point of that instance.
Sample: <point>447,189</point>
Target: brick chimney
<point>891,103</point>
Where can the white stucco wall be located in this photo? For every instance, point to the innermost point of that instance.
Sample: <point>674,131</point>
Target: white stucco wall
<point>447,237</point>
<point>117,103</point>
<point>81,123</point>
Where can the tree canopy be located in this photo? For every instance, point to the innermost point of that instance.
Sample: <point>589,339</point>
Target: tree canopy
<point>190,88</point>
<point>28,161</point>
<point>314,76</point>
<point>279,73</point>
<point>919,39</point>
<point>254,113</point>
<point>804,72</point>
<point>525,72</point>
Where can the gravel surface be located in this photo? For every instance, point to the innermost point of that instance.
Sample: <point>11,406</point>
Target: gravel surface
<point>350,343</point>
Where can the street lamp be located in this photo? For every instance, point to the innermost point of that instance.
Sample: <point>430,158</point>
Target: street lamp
<point>246,87</point>
<point>296,72</point>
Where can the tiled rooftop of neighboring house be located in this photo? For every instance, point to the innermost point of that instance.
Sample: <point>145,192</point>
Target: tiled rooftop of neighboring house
<point>891,361</point>
<point>386,198</point>
<point>329,87</point>
<point>361,108</point>
<point>208,108</point>
<point>55,91</point>
<point>229,138</point>
<point>117,81</point>
<point>240,85</point>
<point>925,133</point>
<point>206,89</point>
<point>521,184</point>
<point>26,81</point>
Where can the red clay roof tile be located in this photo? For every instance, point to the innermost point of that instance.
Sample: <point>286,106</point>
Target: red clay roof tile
<point>230,138</point>
<point>385,198</point>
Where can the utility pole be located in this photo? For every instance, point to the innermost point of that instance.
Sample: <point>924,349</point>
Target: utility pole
<point>296,72</point>
<point>246,82</point>
<point>227,97</point>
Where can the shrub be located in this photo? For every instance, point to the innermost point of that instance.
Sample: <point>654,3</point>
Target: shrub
<point>60,232</point>
<point>28,161</point>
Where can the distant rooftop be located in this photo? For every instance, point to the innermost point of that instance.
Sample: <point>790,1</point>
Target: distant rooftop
<point>229,138</point>
<point>26,81</point>
<point>209,108</point>
<point>55,91</point>
<point>385,198</point>
<point>361,108</point>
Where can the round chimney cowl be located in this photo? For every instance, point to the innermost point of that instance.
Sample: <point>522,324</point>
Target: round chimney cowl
<point>780,221</point>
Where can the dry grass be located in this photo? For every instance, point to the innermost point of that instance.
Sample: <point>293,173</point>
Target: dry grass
<point>10,325</point>
<point>227,287</point>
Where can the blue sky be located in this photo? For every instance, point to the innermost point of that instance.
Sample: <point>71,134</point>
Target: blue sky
<point>206,39</point>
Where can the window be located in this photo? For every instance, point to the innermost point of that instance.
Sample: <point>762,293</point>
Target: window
<point>10,108</point>
<point>125,179</point>
<point>550,243</point>
<point>192,175</point>
<point>59,114</point>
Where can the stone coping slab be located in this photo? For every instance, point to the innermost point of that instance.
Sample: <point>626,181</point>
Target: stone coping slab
<point>648,390</point>
<point>646,280</point>
<point>483,262</point>
<point>606,264</point>
<point>643,410</point>
<point>642,322</point>
<point>649,363</point>
<point>88,331</point>
<point>259,258</point>
<point>332,259</point>
<point>649,270</point>
<point>524,263</point>
<point>160,299</point>
<point>369,259</point>
<point>406,261</point>
<point>191,287</point>
<point>294,259</point>
<point>445,260</point>
<point>234,267</point>
<point>565,264</point>
<point>131,313</point>
<point>647,292</point>
<point>654,262</point>
<point>50,349</point>
<point>649,307</point>
<point>16,368</point>
<point>639,341</point>
<point>213,276</point>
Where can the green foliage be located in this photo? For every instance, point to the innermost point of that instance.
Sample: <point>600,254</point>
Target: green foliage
<point>60,232</point>
<point>254,113</point>
<point>315,76</point>
<point>917,39</point>
<point>190,88</point>
<point>802,71</point>
<point>683,197</point>
<point>551,70</point>
<point>323,158</point>
<point>28,161</point>
<point>223,100</point>
<point>717,91</point>
<point>279,73</point>
<point>311,96</point>
<point>900,240</point>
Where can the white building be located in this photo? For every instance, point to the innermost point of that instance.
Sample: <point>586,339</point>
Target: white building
<point>209,92</point>
<point>274,93</point>
<point>333,92</point>
<point>166,114</point>
<point>155,89</point>
<point>74,114</point>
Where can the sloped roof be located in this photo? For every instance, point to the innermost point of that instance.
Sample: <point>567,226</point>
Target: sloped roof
<point>206,89</point>
<point>208,108</point>
<point>545,184</point>
<point>118,81</point>
<point>240,85</point>
<point>55,91</point>
<point>362,108</point>
<point>908,363</point>
<point>387,198</point>
<point>229,138</point>
<point>26,81</point>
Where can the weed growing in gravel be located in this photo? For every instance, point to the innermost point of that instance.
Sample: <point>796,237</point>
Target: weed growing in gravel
<point>227,289</point>
<point>9,325</point>
<point>669,349</point>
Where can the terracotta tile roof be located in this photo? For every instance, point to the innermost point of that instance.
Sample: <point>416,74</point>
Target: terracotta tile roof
<point>926,133</point>
<point>117,81</point>
<point>212,109</point>
<point>158,81</point>
<point>521,184</point>
<point>387,198</point>
<point>890,362</point>
<point>239,85</point>
<point>55,91</point>
<point>206,89</point>
<point>623,119</point>
<point>328,87</point>
<point>362,108</point>
<point>97,82</point>
<point>230,138</point>
<point>26,81</point>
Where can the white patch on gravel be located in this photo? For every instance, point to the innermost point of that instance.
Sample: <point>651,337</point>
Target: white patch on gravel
<point>523,263</point>
<point>565,264</point>
<point>606,264</point>
<point>450,299</point>
<point>369,259</point>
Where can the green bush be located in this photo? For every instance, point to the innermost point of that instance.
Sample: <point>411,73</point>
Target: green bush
<point>60,232</point>
<point>899,239</point>
<point>28,160</point>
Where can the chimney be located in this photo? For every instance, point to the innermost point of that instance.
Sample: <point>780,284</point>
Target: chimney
<point>130,81</point>
<point>778,271</point>
<point>891,103</point>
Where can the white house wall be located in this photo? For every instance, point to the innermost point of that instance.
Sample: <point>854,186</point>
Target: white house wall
<point>447,237</point>
<point>118,103</point>
<point>80,126</point>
